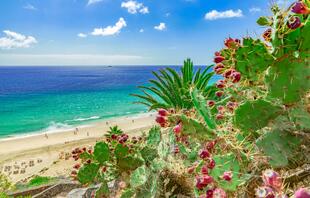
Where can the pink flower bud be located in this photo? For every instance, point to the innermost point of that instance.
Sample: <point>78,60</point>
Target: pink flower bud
<point>220,84</point>
<point>272,179</point>
<point>160,120</point>
<point>204,154</point>
<point>204,170</point>
<point>302,193</point>
<point>211,164</point>
<point>227,176</point>
<point>219,93</point>
<point>219,193</point>
<point>294,22</point>
<point>177,129</point>
<point>300,8</point>
<point>264,192</point>
<point>219,59</point>
<point>163,112</point>
<point>211,103</point>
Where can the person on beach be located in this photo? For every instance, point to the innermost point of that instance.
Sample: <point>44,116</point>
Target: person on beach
<point>46,136</point>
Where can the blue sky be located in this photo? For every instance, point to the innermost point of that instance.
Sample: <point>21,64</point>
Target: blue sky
<point>122,32</point>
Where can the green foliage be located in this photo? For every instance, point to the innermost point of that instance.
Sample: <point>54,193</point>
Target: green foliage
<point>139,177</point>
<point>102,191</point>
<point>88,173</point>
<point>254,115</point>
<point>154,136</point>
<point>130,163</point>
<point>39,180</point>
<point>200,105</point>
<point>5,183</point>
<point>288,80</point>
<point>101,152</point>
<point>252,58</point>
<point>121,151</point>
<point>149,154</point>
<point>301,117</point>
<point>172,89</point>
<point>128,193</point>
<point>279,146</point>
<point>228,162</point>
<point>263,21</point>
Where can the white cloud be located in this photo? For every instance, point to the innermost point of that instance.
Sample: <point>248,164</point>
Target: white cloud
<point>255,9</point>
<point>16,40</point>
<point>82,35</point>
<point>214,14</point>
<point>29,7</point>
<point>167,14</point>
<point>110,30</point>
<point>90,2</point>
<point>134,7</point>
<point>160,27</point>
<point>141,30</point>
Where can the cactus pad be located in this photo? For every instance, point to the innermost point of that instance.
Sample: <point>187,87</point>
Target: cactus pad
<point>252,58</point>
<point>88,173</point>
<point>254,115</point>
<point>279,146</point>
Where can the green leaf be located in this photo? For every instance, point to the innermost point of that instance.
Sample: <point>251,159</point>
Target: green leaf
<point>227,162</point>
<point>88,173</point>
<point>103,190</point>
<point>130,163</point>
<point>138,177</point>
<point>148,153</point>
<point>263,21</point>
<point>200,105</point>
<point>101,152</point>
<point>280,147</point>
<point>128,193</point>
<point>121,151</point>
<point>154,136</point>
<point>254,115</point>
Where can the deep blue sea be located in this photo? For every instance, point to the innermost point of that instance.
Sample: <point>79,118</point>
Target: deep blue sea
<point>34,99</point>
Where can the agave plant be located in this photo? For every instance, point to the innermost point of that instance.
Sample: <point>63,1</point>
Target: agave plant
<point>114,130</point>
<point>171,89</point>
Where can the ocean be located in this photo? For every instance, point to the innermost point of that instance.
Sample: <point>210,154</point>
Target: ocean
<point>43,99</point>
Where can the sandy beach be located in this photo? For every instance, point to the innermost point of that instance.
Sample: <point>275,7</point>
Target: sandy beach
<point>48,154</point>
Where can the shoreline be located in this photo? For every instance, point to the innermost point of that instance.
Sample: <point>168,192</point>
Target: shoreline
<point>86,124</point>
<point>46,154</point>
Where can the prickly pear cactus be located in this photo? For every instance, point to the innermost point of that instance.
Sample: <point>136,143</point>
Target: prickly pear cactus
<point>280,147</point>
<point>252,58</point>
<point>254,115</point>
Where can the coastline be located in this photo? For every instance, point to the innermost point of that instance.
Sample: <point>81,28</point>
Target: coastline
<point>46,149</point>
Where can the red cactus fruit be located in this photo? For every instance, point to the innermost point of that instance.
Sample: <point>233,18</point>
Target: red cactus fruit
<point>238,41</point>
<point>88,161</point>
<point>220,84</point>
<point>300,8</point>
<point>163,112</point>
<point>219,59</point>
<point>219,93</point>
<point>267,34</point>
<point>76,166</point>
<point>84,149</point>
<point>217,53</point>
<point>211,103</point>
<point>227,175</point>
<point>221,108</point>
<point>219,68</point>
<point>90,151</point>
<point>176,150</point>
<point>204,170</point>
<point>204,154</point>
<point>302,193</point>
<point>114,136</point>
<point>272,179</point>
<point>219,116</point>
<point>177,129</point>
<point>211,164</point>
<point>191,169</point>
<point>294,22</point>
<point>264,192</point>
<point>210,145</point>
<point>236,76</point>
<point>229,42</point>
<point>231,105</point>
<point>104,169</point>
<point>203,181</point>
<point>228,73</point>
<point>161,119</point>
<point>73,172</point>
<point>209,193</point>
<point>219,193</point>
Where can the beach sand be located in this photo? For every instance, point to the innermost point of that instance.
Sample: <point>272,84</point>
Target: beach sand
<point>48,154</point>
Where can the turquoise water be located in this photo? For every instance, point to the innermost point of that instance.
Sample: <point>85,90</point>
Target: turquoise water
<point>37,99</point>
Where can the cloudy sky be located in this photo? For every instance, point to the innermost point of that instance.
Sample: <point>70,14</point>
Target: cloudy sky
<point>117,32</point>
